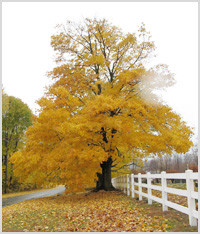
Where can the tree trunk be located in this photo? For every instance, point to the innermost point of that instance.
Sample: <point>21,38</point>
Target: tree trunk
<point>6,164</point>
<point>104,179</point>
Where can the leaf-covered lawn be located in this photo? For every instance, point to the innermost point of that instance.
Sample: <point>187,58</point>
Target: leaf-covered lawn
<point>94,212</point>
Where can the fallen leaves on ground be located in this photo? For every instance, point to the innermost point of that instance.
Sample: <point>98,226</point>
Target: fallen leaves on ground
<point>94,212</point>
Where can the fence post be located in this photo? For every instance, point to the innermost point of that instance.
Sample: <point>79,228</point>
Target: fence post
<point>140,186</point>
<point>128,185</point>
<point>132,185</point>
<point>191,201</point>
<point>149,189</point>
<point>124,183</point>
<point>164,194</point>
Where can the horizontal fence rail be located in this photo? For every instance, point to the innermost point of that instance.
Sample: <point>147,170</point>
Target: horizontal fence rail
<point>127,184</point>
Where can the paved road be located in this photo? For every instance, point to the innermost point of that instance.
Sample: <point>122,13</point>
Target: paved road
<point>11,200</point>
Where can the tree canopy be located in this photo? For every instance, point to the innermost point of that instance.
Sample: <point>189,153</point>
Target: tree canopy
<point>101,111</point>
<point>16,118</point>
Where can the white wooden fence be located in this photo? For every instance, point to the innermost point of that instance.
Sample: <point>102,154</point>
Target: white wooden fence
<point>127,184</point>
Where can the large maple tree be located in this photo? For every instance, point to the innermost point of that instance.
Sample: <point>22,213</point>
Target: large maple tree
<point>101,110</point>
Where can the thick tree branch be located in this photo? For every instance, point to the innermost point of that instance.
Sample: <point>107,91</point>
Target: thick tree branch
<point>126,165</point>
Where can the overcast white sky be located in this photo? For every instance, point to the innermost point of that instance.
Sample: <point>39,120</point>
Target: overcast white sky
<point>27,54</point>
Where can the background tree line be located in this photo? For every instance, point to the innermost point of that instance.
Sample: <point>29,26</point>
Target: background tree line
<point>16,118</point>
<point>175,163</point>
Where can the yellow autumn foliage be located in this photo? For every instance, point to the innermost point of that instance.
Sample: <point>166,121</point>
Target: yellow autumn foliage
<point>98,108</point>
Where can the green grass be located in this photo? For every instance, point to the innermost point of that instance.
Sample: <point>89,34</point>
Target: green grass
<point>180,186</point>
